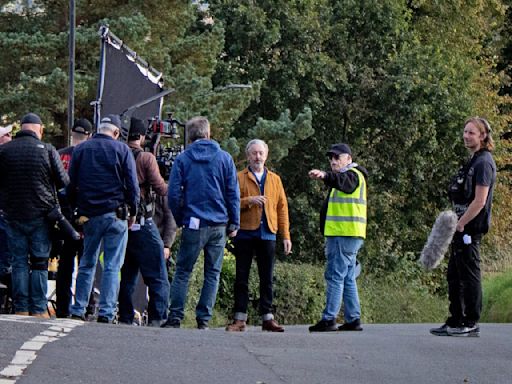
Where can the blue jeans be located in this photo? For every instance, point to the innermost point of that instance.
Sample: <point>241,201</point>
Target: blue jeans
<point>28,241</point>
<point>145,252</point>
<point>5,259</point>
<point>212,241</point>
<point>106,228</point>
<point>340,277</point>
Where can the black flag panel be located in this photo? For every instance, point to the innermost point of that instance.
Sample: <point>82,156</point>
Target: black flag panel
<point>125,80</point>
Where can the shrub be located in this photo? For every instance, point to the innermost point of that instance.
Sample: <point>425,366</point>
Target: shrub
<point>299,295</point>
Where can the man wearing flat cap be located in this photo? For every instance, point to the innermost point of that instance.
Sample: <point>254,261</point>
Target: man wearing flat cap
<point>71,248</point>
<point>343,222</point>
<point>145,250</point>
<point>103,186</point>
<point>31,171</point>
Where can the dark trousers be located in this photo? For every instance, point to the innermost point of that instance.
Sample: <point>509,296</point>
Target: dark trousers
<point>264,251</point>
<point>464,281</point>
<point>70,249</point>
<point>144,252</point>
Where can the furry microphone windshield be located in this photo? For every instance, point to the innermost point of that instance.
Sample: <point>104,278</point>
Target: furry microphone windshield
<point>439,239</point>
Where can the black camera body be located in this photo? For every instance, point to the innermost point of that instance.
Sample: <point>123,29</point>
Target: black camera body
<point>123,212</point>
<point>169,130</point>
<point>64,227</point>
<point>156,130</point>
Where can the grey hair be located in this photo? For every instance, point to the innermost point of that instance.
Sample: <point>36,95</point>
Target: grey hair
<point>253,142</point>
<point>107,127</point>
<point>197,128</point>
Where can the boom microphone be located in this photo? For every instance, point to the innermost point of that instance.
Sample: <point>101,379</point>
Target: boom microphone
<point>439,239</point>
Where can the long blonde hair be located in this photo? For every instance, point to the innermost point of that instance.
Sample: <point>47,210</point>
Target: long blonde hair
<point>485,128</point>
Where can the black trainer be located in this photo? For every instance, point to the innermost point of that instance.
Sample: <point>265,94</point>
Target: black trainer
<point>104,320</point>
<point>76,317</point>
<point>440,331</point>
<point>202,324</point>
<point>352,326</point>
<point>171,323</point>
<point>470,330</point>
<point>324,326</point>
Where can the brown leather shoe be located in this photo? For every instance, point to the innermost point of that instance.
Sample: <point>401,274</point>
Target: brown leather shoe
<point>21,313</point>
<point>237,326</point>
<point>271,326</point>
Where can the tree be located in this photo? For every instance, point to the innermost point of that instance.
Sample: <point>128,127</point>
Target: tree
<point>395,80</point>
<point>172,36</point>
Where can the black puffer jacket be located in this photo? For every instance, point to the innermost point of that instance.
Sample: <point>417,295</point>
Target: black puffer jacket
<point>30,170</point>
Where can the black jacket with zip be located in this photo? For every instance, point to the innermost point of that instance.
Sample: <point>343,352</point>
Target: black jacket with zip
<point>30,173</point>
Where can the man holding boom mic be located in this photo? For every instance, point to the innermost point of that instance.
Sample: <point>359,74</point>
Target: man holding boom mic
<point>471,193</point>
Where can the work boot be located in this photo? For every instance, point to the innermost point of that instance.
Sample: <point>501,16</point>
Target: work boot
<point>21,313</point>
<point>271,326</point>
<point>237,326</point>
<point>42,315</point>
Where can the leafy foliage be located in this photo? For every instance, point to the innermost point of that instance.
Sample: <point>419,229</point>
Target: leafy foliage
<point>395,80</point>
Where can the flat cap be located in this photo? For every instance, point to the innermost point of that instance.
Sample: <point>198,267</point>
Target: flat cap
<point>339,149</point>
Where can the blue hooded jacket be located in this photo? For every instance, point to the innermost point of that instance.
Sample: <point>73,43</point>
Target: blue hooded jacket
<point>203,184</point>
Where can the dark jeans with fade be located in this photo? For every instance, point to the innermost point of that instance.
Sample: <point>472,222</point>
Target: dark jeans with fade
<point>29,246</point>
<point>464,281</point>
<point>245,251</point>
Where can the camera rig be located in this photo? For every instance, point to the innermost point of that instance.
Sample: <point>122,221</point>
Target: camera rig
<point>167,151</point>
<point>162,135</point>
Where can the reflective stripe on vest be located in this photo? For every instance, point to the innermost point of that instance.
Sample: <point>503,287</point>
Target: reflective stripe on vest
<point>346,212</point>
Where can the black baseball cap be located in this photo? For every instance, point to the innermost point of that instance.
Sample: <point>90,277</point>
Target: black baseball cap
<point>82,126</point>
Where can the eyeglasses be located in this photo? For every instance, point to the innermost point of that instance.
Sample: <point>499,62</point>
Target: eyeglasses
<point>333,156</point>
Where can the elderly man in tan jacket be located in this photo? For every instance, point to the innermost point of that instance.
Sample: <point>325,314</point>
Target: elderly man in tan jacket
<point>263,214</point>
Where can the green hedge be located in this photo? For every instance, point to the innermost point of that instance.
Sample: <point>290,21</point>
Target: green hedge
<point>497,300</point>
<point>299,296</point>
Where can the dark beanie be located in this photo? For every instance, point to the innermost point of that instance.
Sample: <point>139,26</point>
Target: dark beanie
<point>31,118</point>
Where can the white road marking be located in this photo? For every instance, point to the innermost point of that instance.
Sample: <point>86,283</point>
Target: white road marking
<point>27,353</point>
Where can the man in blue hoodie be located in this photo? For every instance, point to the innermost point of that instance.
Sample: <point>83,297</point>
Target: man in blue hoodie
<point>204,199</point>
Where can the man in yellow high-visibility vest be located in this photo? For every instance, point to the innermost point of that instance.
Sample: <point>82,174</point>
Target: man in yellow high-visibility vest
<point>343,222</point>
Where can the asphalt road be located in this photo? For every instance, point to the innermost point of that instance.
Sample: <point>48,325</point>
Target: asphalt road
<point>75,352</point>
